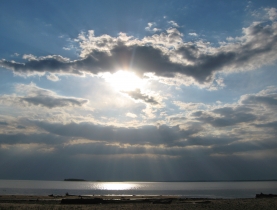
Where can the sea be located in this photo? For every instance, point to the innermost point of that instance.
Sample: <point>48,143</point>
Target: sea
<point>227,189</point>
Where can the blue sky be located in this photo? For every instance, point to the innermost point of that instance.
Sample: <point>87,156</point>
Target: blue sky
<point>138,90</point>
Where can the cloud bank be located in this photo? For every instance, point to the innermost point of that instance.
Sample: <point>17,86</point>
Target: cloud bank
<point>165,54</point>
<point>36,96</point>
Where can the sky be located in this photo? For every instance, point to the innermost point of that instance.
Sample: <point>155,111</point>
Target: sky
<point>161,90</point>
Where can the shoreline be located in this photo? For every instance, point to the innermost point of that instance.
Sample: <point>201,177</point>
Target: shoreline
<point>132,202</point>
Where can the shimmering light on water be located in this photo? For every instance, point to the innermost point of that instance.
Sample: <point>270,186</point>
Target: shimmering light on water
<point>117,186</point>
<point>187,189</point>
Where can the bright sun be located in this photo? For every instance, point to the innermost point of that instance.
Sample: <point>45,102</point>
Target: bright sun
<point>124,81</point>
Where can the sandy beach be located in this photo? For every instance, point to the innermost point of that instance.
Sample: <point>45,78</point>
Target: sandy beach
<point>134,202</point>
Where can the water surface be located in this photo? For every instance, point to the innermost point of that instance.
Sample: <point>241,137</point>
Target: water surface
<point>187,189</point>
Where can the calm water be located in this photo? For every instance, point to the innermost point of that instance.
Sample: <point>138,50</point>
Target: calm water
<point>186,189</point>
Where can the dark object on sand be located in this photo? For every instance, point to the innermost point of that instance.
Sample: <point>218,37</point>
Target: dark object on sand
<point>162,201</point>
<point>266,195</point>
<point>82,201</point>
<point>113,201</point>
<point>67,194</point>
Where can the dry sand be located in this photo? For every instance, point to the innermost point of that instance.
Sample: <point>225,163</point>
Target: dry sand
<point>135,202</point>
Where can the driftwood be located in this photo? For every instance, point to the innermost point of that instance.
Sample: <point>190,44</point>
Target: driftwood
<point>82,201</point>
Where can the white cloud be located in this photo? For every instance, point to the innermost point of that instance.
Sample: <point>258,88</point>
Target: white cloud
<point>193,34</point>
<point>15,55</point>
<point>35,96</point>
<point>190,106</point>
<point>217,84</point>
<point>52,77</point>
<point>150,27</point>
<point>149,113</point>
<point>272,13</point>
<point>132,115</point>
<point>230,39</point>
<point>29,57</point>
<point>173,23</point>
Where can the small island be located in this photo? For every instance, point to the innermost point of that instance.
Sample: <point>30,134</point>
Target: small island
<point>75,180</point>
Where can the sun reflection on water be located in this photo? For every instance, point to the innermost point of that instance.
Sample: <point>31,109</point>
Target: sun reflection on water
<point>117,186</point>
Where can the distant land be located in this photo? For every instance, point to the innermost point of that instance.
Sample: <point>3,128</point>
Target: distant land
<point>75,180</point>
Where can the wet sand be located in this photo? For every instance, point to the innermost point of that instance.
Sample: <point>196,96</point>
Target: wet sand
<point>22,202</point>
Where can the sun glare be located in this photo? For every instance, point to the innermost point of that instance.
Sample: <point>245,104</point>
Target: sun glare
<point>125,81</point>
<point>117,186</point>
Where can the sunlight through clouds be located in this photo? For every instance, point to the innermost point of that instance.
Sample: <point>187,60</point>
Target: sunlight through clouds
<point>152,92</point>
<point>124,81</point>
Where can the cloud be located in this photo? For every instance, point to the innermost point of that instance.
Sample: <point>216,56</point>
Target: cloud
<point>193,34</point>
<point>40,65</point>
<point>268,125</point>
<point>33,138</point>
<point>205,135</point>
<point>173,23</point>
<point>15,55</point>
<point>132,115</point>
<point>210,141</point>
<point>149,112</point>
<point>187,139</point>
<point>189,106</point>
<point>66,48</point>
<point>238,147</point>
<point>143,135</point>
<point>272,13</point>
<point>52,101</point>
<point>52,77</point>
<point>150,27</point>
<point>34,95</point>
<point>164,139</point>
<point>3,123</point>
<point>138,95</point>
<point>165,54</point>
<point>267,97</point>
<point>266,100</point>
<point>226,116</point>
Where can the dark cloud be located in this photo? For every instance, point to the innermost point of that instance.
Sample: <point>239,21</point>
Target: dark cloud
<point>20,127</point>
<point>227,116</point>
<point>42,138</point>
<point>268,100</point>
<point>82,161</point>
<point>143,135</point>
<point>42,97</point>
<point>269,125</point>
<point>78,149</point>
<point>146,59</point>
<point>52,102</point>
<point>210,140</point>
<point>176,119</point>
<point>155,54</point>
<point>41,65</point>
<point>138,95</point>
<point>245,146</point>
<point>205,65</point>
<point>3,123</point>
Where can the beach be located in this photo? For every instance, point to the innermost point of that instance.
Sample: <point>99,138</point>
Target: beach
<point>23,202</point>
